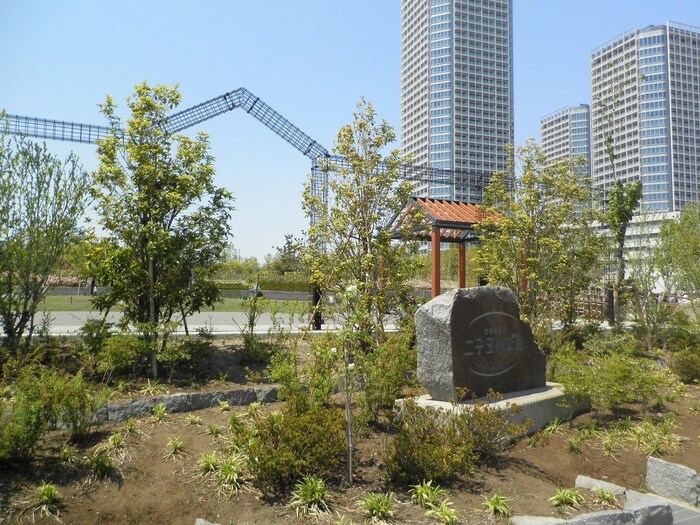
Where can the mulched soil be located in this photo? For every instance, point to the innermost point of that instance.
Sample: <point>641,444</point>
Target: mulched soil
<point>151,489</point>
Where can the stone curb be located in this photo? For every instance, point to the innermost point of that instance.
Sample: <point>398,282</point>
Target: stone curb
<point>118,411</point>
<point>640,509</point>
<point>673,481</point>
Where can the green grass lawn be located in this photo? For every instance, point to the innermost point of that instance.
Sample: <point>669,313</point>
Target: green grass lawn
<point>82,303</point>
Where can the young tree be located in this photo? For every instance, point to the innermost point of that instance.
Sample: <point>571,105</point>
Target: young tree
<point>538,239</point>
<point>623,199</point>
<point>166,222</point>
<point>43,198</point>
<point>350,253</point>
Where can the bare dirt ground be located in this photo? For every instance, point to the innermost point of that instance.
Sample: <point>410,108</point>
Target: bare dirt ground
<point>152,489</point>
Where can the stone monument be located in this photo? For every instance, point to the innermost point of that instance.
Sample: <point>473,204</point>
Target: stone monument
<point>471,340</point>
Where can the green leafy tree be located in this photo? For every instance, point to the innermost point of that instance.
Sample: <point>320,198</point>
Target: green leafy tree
<point>350,253</point>
<point>679,249</point>
<point>166,223</point>
<point>623,199</point>
<point>537,239</point>
<point>43,199</point>
<point>288,257</point>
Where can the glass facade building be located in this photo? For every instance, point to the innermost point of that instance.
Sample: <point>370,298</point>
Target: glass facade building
<point>646,102</point>
<point>566,134</point>
<point>457,88</point>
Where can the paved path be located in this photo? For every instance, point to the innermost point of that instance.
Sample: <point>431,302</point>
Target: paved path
<point>685,515</point>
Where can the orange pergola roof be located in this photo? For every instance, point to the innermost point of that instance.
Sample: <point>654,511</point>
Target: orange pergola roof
<point>455,219</point>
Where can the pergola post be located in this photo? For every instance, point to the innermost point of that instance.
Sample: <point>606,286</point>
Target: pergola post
<point>435,247</point>
<point>462,265</point>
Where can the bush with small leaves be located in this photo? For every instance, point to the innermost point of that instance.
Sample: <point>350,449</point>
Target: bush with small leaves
<point>386,371</point>
<point>23,427</point>
<point>309,496</point>
<point>121,354</point>
<point>285,446</point>
<point>427,445</point>
<point>80,401</point>
<point>490,429</point>
<point>610,372</point>
<point>378,506</point>
<point>686,364</point>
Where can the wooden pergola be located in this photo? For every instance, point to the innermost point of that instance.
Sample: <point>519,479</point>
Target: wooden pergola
<point>440,221</point>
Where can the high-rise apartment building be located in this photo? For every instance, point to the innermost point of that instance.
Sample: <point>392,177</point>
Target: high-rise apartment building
<point>457,88</point>
<point>646,105</point>
<point>565,134</point>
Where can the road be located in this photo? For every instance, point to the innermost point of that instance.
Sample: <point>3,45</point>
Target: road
<point>220,323</point>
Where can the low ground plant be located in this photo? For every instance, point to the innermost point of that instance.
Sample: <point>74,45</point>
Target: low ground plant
<point>101,465</point>
<point>378,506</point>
<point>208,463</point>
<point>45,501</point>
<point>567,498</point>
<point>214,430</point>
<point>309,496</point>
<point>443,512</point>
<point>229,475</point>
<point>604,497</point>
<point>194,420</point>
<point>426,495</point>
<point>174,449</point>
<point>498,506</point>
<point>160,412</point>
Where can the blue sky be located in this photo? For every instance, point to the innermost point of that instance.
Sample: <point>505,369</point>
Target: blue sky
<point>309,60</point>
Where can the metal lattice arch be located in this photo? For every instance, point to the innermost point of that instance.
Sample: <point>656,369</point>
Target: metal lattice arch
<point>322,161</point>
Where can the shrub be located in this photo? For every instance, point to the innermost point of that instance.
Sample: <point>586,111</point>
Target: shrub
<point>21,430</point>
<point>79,403</point>
<point>312,385</point>
<point>386,371</point>
<point>490,429</point>
<point>286,446</point>
<point>95,333</point>
<point>609,374</point>
<point>686,364</point>
<point>121,354</point>
<point>428,445</point>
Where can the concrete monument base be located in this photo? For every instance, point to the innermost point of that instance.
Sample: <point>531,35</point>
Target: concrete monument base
<point>539,405</point>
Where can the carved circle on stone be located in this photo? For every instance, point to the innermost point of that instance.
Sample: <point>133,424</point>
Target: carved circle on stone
<point>493,345</point>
